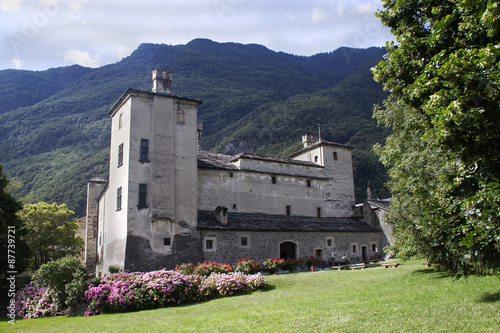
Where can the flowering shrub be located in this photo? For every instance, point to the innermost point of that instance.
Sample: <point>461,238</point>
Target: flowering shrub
<point>139,291</point>
<point>312,261</point>
<point>185,269</point>
<point>208,267</point>
<point>272,265</point>
<point>35,302</point>
<point>247,266</point>
<point>291,264</point>
<point>230,283</point>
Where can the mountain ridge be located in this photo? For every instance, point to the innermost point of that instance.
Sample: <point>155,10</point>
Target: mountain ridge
<point>59,139</point>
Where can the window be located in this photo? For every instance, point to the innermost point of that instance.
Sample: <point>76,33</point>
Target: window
<point>374,247</point>
<point>288,210</point>
<point>144,153</point>
<point>308,182</point>
<point>166,241</point>
<point>235,206</point>
<point>316,159</point>
<point>231,175</point>
<point>244,241</point>
<point>143,195</point>
<point>354,248</point>
<point>335,157</point>
<point>119,198</point>
<point>318,211</point>
<point>120,123</point>
<point>210,244</point>
<point>329,242</point>
<point>120,154</point>
<point>273,179</point>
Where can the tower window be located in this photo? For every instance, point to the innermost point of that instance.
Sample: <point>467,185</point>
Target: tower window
<point>144,151</point>
<point>119,198</point>
<point>143,195</point>
<point>120,154</point>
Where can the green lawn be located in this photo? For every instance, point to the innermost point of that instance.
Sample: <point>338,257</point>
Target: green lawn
<point>409,298</point>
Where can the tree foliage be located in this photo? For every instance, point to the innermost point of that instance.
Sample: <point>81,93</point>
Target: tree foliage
<point>14,252</point>
<point>50,232</point>
<point>444,154</point>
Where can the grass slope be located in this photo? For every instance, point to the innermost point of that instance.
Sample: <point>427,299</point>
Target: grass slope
<point>409,298</point>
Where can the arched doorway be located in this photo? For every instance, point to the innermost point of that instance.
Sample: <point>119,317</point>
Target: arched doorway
<point>288,250</point>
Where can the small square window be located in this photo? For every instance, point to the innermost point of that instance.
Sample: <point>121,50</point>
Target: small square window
<point>209,244</point>
<point>354,248</point>
<point>335,156</point>
<point>231,175</point>
<point>315,159</point>
<point>235,206</point>
<point>308,182</point>
<point>166,241</point>
<point>244,241</point>
<point>374,247</point>
<point>273,179</point>
<point>329,242</point>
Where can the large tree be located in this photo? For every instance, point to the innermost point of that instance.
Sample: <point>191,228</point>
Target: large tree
<point>14,252</point>
<point>444,153</point>
<point>50,232</point>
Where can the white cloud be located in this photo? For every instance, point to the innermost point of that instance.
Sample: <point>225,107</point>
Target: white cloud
<point>81,58</point>
<point>318,14</point>
<point>10,5</point>
<point>17,62</point>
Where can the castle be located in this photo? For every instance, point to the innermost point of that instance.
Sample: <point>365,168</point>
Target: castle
<point>167,201</point>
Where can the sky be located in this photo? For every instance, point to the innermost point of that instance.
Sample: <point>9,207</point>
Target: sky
<point>42,34</point>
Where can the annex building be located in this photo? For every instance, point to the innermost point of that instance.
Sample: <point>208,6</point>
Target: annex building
<point>167,201</point>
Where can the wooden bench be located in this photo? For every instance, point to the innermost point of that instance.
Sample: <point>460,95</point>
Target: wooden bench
<point>427,264</point>
<point>337,267</point>
<point>357,267</point>
<point>390,265</point>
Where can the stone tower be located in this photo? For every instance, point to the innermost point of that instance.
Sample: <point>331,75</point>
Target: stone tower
<point>148,212</point>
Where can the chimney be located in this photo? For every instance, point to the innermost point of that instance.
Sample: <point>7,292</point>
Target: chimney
<point>162,81</point>
<point>368,191</point>
<point>308,140</point>
<point>221,215</point>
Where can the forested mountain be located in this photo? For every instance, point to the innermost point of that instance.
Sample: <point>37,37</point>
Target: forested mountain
<point>54,127</point>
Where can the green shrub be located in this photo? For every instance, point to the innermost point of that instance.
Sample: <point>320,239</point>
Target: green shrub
<point>57,274</point>
<point>114,269</point>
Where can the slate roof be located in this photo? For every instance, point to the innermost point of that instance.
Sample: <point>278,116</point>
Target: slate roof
<point>210,160</point>
<point>382,204</point>
<point>267,222</point>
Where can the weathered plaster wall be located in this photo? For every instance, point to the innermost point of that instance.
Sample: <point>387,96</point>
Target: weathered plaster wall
<point>254,192</point>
